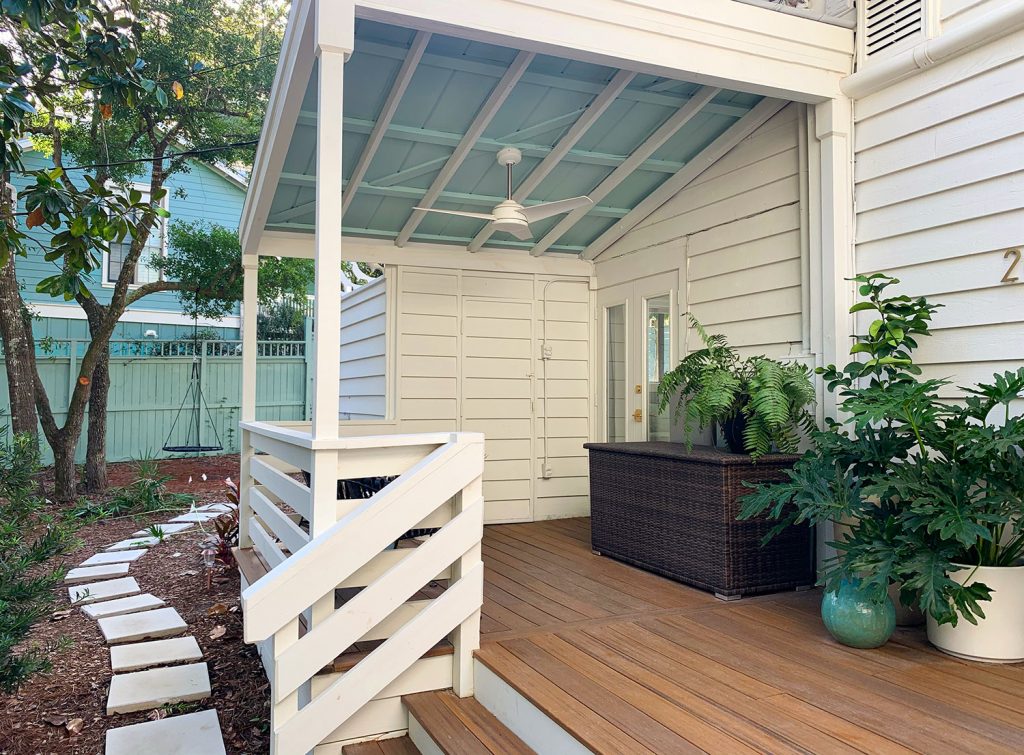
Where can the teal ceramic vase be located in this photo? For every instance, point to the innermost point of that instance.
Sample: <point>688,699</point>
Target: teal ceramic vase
<point>856,620</point>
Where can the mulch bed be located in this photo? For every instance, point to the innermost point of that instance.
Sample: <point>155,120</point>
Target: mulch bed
<point>34,720</point>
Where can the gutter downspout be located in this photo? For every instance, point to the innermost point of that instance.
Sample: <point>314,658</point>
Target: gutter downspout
<point>990,27</point>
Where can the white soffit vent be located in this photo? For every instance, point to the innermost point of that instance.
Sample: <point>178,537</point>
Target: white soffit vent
<point>890,26</point>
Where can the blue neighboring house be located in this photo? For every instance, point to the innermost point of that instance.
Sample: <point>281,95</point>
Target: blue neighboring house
<point>205,193</point>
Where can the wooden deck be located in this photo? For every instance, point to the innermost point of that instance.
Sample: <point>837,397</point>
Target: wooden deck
<point>630,662</point>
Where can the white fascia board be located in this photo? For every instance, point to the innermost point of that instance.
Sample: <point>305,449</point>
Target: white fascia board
<point>149,316</point>
<point>294,68</point>
<point>711,42</point>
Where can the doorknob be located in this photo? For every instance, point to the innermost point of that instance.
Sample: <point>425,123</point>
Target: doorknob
<point>638,416</point>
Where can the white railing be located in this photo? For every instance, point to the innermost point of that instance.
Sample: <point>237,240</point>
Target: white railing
<point>349,545</point>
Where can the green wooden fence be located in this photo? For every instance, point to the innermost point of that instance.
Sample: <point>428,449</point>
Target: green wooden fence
<point>149,379</point>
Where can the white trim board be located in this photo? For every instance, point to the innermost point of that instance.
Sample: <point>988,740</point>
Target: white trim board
<point>148,316</point>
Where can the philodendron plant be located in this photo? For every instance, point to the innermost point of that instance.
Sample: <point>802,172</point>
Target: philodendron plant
<point>923,485</point>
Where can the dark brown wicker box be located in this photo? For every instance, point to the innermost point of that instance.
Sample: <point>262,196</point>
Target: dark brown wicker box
<point>673,511</point>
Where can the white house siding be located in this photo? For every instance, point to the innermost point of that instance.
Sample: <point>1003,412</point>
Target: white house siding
<point>469,357</point>
<point>735,234</point>
<point>953,13</point>
<point>363,383</point>
<point>940,200</point>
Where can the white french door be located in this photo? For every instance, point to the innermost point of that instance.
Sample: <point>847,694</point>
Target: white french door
<point>636,323</point>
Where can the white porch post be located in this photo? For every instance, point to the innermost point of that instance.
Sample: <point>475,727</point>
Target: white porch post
<point>335,37</point>
<point>833,127</point>
<point>250,308</point>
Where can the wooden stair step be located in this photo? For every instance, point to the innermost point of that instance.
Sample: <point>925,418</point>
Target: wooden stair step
<point>392,746</point>
<point>461,725</point>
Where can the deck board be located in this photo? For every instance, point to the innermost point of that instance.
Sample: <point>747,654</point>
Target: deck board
<point>627,661</point>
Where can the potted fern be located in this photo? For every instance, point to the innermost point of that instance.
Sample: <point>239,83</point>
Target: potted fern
<point>758,404</point>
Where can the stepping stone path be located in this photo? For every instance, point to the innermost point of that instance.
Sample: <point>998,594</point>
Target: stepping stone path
<point>95,591</point>
<point>131,604</point>
<point>191,734</point>
<point>90,573</point>
<point>161,622</point>
<point>116,557</point>
<point>163,669</point>
<point>140,655</point>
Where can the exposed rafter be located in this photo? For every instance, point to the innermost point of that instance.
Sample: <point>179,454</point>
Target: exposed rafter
<point>661,135</point>
<point>387,112</point>
<point>739,131</point>
<point>490,107</point>
<point>594,111</point>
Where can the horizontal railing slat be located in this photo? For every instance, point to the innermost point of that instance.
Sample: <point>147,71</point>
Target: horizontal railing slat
<point>283,528</point>
<point>288,489</point>
<point>266,547</point>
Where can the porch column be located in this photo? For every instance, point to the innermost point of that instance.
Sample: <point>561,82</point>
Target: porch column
<point>831,292</point>
<point>250,308</point>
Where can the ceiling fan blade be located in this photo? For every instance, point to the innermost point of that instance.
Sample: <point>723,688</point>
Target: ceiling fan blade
<point>537,212</point>
<point>521,232</point>
<point>460,213</point>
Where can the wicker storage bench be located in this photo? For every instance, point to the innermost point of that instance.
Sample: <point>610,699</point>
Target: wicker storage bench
<point>673,511</point>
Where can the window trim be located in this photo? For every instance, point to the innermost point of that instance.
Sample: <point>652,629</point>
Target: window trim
<point>105,267</point>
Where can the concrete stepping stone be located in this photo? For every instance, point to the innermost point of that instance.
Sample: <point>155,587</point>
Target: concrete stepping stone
<point>196,516</point>
<point>94,592</point>
<point>130,627</point>
<point>221,508</point>
<point>115,557</point>
<point>121,606</point>
<point>140,655</point>
<point>191,734</point>
<point>168,529</point>
<point>134,543</point>
<point>90,573</point>
<point>143,690</point>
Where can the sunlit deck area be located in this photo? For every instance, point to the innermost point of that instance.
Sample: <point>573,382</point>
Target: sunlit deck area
<point>626,661</point>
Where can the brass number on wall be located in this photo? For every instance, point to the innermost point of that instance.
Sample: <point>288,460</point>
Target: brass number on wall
<point>1014,256</point>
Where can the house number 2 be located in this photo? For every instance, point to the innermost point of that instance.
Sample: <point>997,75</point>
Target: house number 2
<point>1014,256</point>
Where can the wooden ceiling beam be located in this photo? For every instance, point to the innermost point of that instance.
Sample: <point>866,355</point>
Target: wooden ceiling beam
<point>387,112</point>
<point>739,131</point>
<point>594,111</point>
<point>661,135</point>
<point>489,109</point>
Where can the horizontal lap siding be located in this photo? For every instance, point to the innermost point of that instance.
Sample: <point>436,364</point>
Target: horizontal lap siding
<point>740,225</point>
<point>363,383</point>
<point>940,198</point>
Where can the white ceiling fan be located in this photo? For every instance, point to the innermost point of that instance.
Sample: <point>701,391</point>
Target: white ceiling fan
<point>510,216</point>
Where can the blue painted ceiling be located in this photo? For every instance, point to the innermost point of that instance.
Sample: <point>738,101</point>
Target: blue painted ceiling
<point>449,85</point>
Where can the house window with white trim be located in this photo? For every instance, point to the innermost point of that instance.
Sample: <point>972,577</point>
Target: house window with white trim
<point>146,271</point>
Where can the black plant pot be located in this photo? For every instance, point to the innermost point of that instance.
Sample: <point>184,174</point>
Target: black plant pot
<point>732,430</point>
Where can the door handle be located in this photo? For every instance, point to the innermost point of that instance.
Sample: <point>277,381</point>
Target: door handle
<point>638,415</point>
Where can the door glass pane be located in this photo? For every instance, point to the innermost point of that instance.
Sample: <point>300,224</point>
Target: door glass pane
<point>616,387</point>
<point>658,340</point>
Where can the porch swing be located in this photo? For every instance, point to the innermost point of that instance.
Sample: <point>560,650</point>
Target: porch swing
<point>193,405</point>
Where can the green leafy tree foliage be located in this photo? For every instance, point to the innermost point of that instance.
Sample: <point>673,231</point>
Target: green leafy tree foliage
<point>713,385</point>
<point>29,538</point>
<point>921,485</point>
<point>210,65</point>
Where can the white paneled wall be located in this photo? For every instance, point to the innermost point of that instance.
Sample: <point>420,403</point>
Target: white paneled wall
<point>735,233</point>
<point>363,383</point>
<point>940,200</point>
<point>469,356</point>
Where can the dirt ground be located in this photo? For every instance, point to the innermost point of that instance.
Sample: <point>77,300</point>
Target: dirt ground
<point>36,719</point>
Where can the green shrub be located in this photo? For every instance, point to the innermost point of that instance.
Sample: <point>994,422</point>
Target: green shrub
<point>30,536</point>
<point>146,494</point>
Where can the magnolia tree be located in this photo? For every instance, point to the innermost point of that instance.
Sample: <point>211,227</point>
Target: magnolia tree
<point>119,94</point>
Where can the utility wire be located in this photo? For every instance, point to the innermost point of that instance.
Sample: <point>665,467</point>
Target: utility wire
<point>168,156</point>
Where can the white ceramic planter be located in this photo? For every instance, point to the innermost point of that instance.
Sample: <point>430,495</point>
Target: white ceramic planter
<point>999,637</point>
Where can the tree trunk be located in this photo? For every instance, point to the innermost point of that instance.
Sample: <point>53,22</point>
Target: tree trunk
<point>96,449</point>
<point>96,441</point>
<point>16,335</point>
<point>65,489</point>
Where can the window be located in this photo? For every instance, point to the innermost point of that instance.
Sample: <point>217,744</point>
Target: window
<point>156,245</point>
